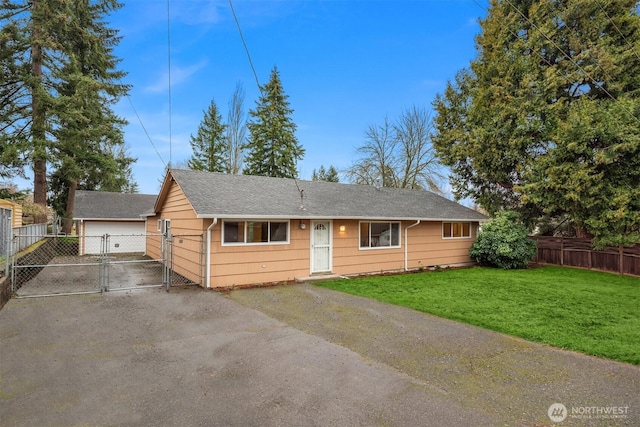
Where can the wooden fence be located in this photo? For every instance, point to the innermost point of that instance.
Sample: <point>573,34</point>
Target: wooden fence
<point>575,252</point>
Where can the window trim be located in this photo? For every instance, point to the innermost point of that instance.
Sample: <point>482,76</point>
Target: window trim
<point>164,226</point>
<point>245,243</point>
<point>459,237</point>
<point>370,248</point>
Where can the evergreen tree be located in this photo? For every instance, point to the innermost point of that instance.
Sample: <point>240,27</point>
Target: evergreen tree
<point>88,132</point>
<point>67,85</point>
<point>322,174</point>
<point>210,145</point>
<point>15,99</point>
<point>273,149</point>
<point>29,52</point>
<point>545,120</point>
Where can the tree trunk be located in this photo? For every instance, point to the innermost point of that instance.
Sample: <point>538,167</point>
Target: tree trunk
<point>581,233</point>
<point>67,221</point>
<point>38,122</point>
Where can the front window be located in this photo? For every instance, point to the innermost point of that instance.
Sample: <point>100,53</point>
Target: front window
<point>379,235</point>
<point>255,232</point>
<point>456,230</point>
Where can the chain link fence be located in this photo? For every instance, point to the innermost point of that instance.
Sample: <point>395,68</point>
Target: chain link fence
<point>62,265</point>
<point>186,259</point>
<point>52,266</point>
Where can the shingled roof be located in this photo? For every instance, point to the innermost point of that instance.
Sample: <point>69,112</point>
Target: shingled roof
<point>215,195</point>
<point>112,206</point>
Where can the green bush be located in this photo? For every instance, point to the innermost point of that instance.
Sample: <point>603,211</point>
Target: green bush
<point>67,245</point>
<point>503,242</point>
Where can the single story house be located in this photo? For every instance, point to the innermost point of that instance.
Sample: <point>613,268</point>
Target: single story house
<point>259,229</point>
<point>120,215</point>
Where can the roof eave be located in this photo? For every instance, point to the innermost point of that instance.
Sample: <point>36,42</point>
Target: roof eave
<point>340,217</point>
<point>108,219</point>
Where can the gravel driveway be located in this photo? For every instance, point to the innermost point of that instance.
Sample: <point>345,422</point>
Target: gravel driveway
<point>292,355</point>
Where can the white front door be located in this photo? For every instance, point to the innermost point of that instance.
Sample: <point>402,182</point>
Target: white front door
<point>320,246</point>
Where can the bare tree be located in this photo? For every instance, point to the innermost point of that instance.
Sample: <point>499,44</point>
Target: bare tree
<point>416,156</point>
<point>236,130</point>
<point>376,162</point>
<point>399,154</point>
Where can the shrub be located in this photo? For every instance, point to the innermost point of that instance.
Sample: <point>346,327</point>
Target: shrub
<point>67,245</point>
<point>503,242</point>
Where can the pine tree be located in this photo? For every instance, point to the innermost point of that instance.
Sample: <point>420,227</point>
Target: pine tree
<point>15,99</point>
<point>545,119</point>
<point>210,144</point>
<point>28,48</point>
<point>273,149</point>
<point>66,84</point>
<point>88,132</point>
<point>322,174</point>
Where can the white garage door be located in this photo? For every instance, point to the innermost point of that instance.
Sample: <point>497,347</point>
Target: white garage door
<point>124,236</point>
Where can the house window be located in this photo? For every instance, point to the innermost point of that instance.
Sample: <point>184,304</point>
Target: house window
<point>456,230</point>
<point>379,235</point>
<point>255,232</point>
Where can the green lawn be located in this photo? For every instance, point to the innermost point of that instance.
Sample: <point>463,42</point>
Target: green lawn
<point>591,312</point>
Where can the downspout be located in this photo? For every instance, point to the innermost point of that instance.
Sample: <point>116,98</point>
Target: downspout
<point>208,258</point>
<point>406,245</point>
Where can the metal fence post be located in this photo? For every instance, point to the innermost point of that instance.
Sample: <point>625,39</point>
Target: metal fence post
<point>104,264</point>
<point>12,272</point>
<point>166,261</point>
<point>6,233</point>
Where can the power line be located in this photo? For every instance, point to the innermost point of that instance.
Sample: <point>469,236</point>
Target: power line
<point>145,130</point>
<point>246,49</point>
<point>618,29</point>
<point>565,55</point>
<point>560,50</point>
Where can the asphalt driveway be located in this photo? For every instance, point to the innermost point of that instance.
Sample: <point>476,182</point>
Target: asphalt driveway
<point>291,355</point>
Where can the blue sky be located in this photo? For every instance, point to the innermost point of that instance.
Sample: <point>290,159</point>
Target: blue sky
<point>344,64</point>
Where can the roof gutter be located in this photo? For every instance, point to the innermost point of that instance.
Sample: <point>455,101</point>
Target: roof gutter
<point>297,216</point>
<point>406,245</point>
<point>207,279</point>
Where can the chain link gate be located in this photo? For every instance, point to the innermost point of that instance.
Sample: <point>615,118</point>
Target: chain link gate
<point>183,260</point>
<point>46,265</point>
<point>69,265</point>
<point>123,270</point>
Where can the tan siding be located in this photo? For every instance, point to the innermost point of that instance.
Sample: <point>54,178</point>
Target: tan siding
<point>16,215</point>
<point>188,257</point>
<point>187,230</point>
<point>153,239</point>
<point>250,264</point>
<point>426,248</point>
<point>348,258</point>
<point>247,264</point>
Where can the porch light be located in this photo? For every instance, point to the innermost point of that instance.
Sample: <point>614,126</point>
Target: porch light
<point>343,228</point>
